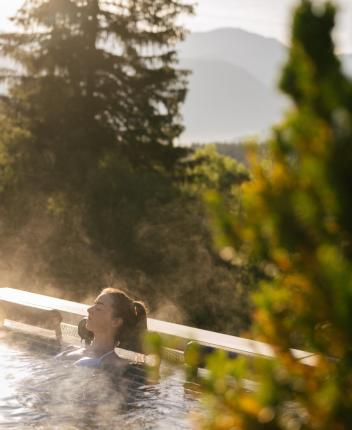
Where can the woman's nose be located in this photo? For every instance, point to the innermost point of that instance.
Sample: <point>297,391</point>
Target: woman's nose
<point>89,310</point>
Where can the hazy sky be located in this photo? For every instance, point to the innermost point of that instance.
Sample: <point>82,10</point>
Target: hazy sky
<point>267,17</point>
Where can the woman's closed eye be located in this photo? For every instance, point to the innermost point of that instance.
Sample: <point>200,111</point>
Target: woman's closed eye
<point>99,305</point>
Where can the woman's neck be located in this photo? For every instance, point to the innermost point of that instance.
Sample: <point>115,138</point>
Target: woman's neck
<point>102,343</point>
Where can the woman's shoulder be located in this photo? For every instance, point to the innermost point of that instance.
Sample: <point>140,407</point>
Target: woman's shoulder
<point>113,360</point>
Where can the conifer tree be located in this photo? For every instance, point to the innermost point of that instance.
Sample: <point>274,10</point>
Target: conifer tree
<point>90,120</point>
<point>96,78</point>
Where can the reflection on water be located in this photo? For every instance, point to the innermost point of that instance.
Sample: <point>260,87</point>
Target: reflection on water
<point>38,392</point>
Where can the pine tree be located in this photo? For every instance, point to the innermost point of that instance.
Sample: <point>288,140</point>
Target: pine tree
<point>91,116</point>
<point>96,78</point>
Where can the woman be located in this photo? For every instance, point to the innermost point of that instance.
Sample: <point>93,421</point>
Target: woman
<point>113,320</point>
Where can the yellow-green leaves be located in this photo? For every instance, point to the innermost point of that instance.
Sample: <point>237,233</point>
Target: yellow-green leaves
<point>297,221</point>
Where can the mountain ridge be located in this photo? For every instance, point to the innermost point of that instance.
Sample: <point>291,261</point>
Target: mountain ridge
<point>225,102</point>
<point>250,55</point>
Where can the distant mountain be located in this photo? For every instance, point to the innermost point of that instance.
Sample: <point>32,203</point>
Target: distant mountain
<point>232,89</point>
<point>225,102</point>
<point>262,57</point>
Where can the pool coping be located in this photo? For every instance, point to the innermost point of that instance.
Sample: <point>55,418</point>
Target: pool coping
<point>73,312</point>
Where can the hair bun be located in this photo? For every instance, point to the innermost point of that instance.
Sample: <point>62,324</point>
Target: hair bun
<point>134,317</point>
<point>141,312</point>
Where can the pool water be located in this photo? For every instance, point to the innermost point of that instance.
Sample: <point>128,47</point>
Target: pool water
<point>39,392</point>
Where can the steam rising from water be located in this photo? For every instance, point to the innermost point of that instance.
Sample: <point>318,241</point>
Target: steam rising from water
<point>176,274</point>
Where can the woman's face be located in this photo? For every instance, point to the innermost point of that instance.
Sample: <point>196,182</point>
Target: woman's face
<point>101,317</point>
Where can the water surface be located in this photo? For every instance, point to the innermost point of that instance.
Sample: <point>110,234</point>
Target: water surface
<point>38,392</point>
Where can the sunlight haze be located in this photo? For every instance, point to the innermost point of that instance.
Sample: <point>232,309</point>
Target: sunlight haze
<point>270,18</point>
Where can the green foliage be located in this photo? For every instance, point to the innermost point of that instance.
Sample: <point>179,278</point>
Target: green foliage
<point>10,135</point>
<point>92,187</point>
<point>89,122</point>
<point>298,223</point>
<point>172,255</point>
<point>237,151</point>
<point>206,170</point>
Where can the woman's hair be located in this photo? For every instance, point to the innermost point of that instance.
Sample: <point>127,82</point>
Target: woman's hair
<point>134,319</point>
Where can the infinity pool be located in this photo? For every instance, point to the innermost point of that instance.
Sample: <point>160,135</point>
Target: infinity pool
<point>38,392</point>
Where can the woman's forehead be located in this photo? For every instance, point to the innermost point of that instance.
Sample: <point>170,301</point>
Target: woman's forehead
<point>104,299</point>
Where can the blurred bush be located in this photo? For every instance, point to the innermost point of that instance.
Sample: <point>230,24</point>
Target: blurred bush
<point>297,223</point>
